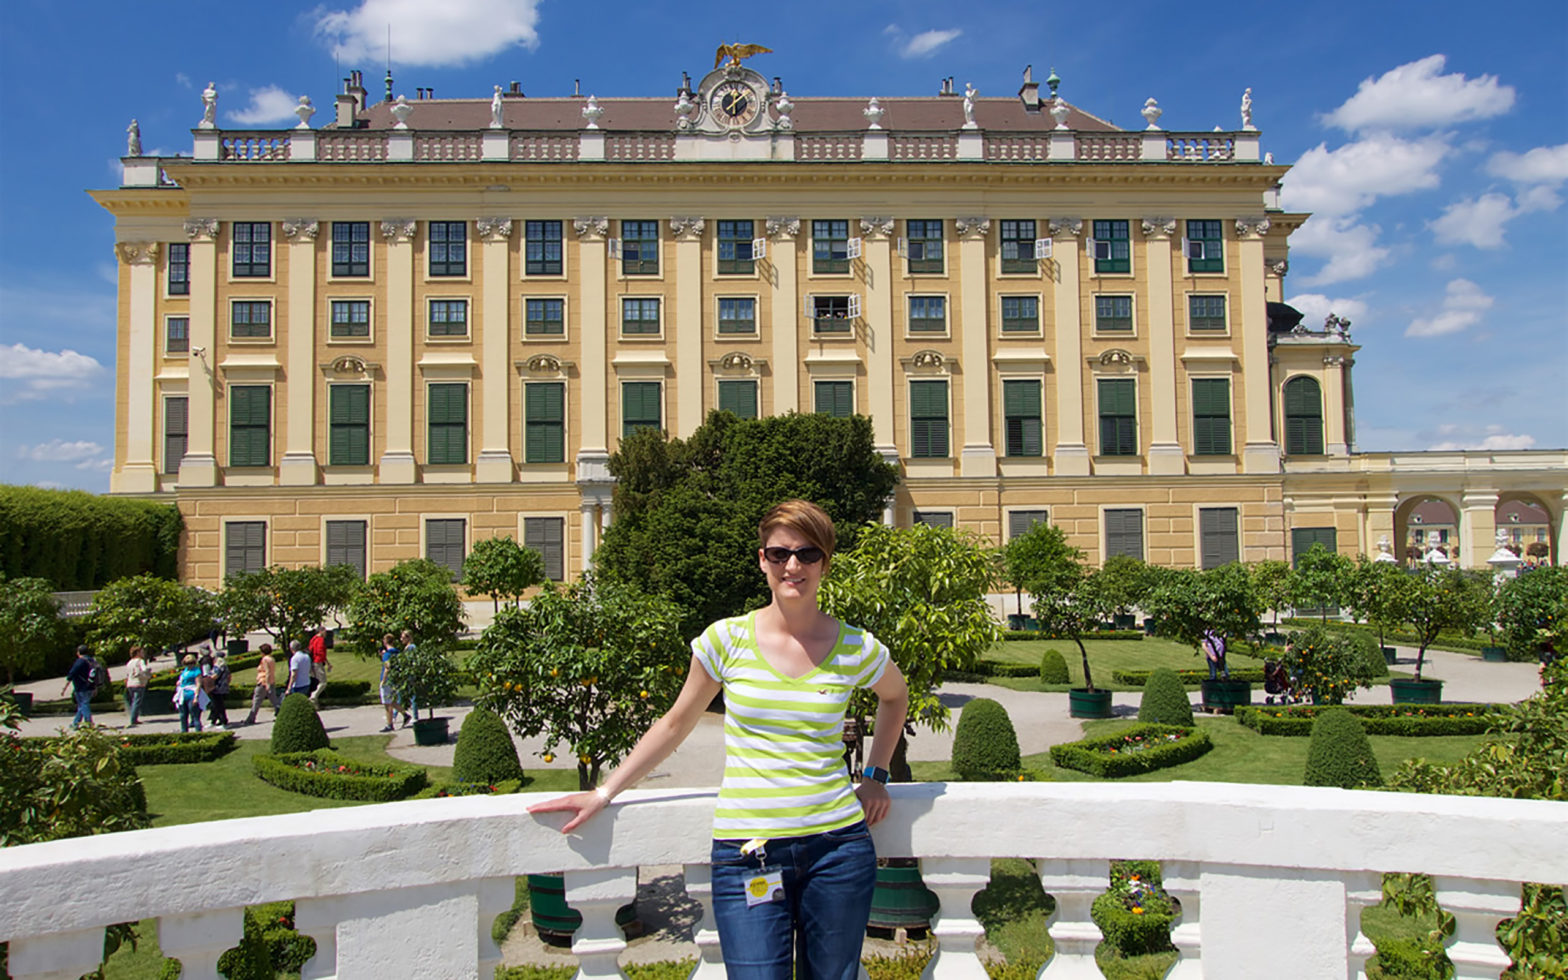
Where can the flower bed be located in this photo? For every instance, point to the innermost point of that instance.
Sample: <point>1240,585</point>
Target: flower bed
<point>1135,914</point>
<point>325,773</point>
<point>1190,678</point>
<point>441,790</point>
<point>1140,748</point>
<point>171,748</point>
<point>1409,720</point>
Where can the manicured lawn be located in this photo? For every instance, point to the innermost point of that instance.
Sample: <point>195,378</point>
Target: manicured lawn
<point>1105,656</point>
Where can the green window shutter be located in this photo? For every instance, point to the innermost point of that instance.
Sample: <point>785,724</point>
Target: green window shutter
<point>928,419</point>
<point>547,535</point>
<point>640,406</point>
<point>244,547</point>
<point>447,420</point>
<point>250,425</point>
<point>1211,417</point>
<point>1020,521</point>
<point>444,544</point>
<point>544,406</point>
<point>176,432</point>
<point>1303,538</point>
<point>349,427</point>
<point>1124,532</point>
<point>835,398</point>
<point>1118,417</point>
<point>346,544</point>
<point>1303,417</point>
<point>739,397</point>
<point>1021,415</point>
<point>1219,543</point>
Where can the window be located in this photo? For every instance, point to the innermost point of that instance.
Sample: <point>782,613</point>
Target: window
<point>1211,417</point>
<point>829,246</point>
<point>1118,417</point>
<point>179,282</point>
<point>445,543</point>
<point>544,422</point>
<point>927,314</point>
<point>640,406</point>
<point>176,431</point>
<point>448,248</point>
<point>835,398</point>
<point>1112,249</point>
<point>544,317</point>
<point>446,417</point>
<point>928,419</point>
<point>250,425</point>
<point>1219,542</point>
<point>251,242</point>
<point>1113,314</point>
<point>177,335</point>
<point>547,535</point>
<point>1018,247</point>
<point>1020,521</point>
<point>350,318</point>
<point>348,436</point>
<point>351,249</point>
<point>737,315</point>
<point>1020,314</point>
<point>346,545</point>
<point>639,248</point>
<point>934,518</point>
<point>250,318</point>
<point>640,315</point>
<point>739,397</point>
<point>924,246</point>
<point>244,547</point>
<point>832,314</point>
<point>542,248</point>
<point>1021,414</point>
<point>449,318</point>
<point>1303,417</point>
<point>1206,312</point>
<point>1205,246</point>
<point>735,258</point>
<point>1124,532</point>
<point>1301,541</point>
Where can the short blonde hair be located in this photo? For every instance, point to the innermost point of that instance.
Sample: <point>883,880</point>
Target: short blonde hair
<point>805,519</point>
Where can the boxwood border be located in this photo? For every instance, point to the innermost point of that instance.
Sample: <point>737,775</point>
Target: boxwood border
<point>1084,755</point>
<point>385,782</point>
<point>167,748</point>
<point>1190,678</point>
<point>1408,720</point>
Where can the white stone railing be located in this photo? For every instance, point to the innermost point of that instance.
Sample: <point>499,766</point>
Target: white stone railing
<point>544,146</point>
<point>447,147</point>
<point>919,148</point>
<point>255,147</point>
<point>1111,147</point>
<point>1213,148</point>
<point>348,146</point>
<point>1018,149</point>
<point>837,146</point>
<point>1268,876</point>
<point>639,147</point>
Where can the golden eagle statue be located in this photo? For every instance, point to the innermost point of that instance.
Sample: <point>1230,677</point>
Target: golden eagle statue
<point>738,51</point>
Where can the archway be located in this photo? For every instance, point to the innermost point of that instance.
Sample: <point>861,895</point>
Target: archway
<point>1526,520</point>
<point>1424,514</point>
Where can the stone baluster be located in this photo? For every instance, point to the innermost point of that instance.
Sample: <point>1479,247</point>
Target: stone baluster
<point>1183,882</point>
<point>1477,906</point>
<point>705,932</point>
<point>496,895</point>
<point>1362,890</point>
<point>955,881</point>
<point>198,940</point>
<point>598,942</point>
<point>59,956</point>
<point>318,919</point>
<point>1074,884</point>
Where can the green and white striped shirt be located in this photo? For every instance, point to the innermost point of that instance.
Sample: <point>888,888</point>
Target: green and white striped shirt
<point>784,772</point>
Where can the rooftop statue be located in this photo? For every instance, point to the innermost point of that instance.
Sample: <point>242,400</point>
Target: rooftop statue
<point>209,107</point>
<point>738,51</point>
<point>133,139</point>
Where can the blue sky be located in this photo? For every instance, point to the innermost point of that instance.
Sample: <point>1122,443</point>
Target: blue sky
<point>1431,143</point>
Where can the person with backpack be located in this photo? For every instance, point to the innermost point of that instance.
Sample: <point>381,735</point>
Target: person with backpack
<point>79,681</point>
<point>218,696</point>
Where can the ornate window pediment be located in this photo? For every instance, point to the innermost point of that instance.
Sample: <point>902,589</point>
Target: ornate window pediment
<point>545,366</point>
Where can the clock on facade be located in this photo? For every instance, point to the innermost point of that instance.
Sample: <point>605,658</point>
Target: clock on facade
<point>734,104</point>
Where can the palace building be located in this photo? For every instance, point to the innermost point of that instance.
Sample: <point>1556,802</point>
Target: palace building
<point>429,322</point>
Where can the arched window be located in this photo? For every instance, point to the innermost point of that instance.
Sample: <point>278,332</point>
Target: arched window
<point>1303,417</point>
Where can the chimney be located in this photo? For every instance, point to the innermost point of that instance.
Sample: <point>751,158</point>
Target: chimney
<point>356,88</point>
<point>577,88</point>
<point>516,91</point>
<point>1029,94</point>
<point>344,105</point>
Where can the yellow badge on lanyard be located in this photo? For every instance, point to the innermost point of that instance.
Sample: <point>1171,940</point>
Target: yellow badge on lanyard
<point>766,885</point>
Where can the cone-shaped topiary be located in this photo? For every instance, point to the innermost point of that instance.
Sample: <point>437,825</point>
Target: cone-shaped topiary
<point>298,728</point>
<point>1366,647</point>
<point>1053,667</point>
<point>485,753</point>
<point>1340,754</point>
<point>1165,699</point>
<point>985,747</point>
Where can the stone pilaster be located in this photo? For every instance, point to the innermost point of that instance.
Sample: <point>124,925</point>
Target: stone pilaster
<point>1477,527</point>
<point>495,463</point>
<point>686,328</point>
<point>876,311</point>
<point>1260,451</point>
<point>397,461</point>
<point>138,473</point>
<point>780,270</point>
<point>978,454</point>
<point>595,386</point>
<point>1165,452</point>
<point>199,468</point>
<point>1072,453</point>
<point>299,464</point>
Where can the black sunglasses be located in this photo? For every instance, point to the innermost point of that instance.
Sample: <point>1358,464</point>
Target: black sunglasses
<point>779,555</point>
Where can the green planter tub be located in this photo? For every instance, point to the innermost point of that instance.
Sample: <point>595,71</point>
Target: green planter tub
<point>555,921</point>
<point>1083,703</point>
<point>901,899</point>
<point>1224,696</point>
<point>23,701</point>
<point>1408,690</point>
<point>430,731</point>
<point>1390,657</point>
<point>1494,655</point>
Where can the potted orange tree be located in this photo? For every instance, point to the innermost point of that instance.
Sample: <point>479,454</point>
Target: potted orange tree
<point>1069,601</point>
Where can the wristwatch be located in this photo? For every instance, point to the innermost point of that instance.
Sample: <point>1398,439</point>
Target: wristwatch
<point>878,773</point>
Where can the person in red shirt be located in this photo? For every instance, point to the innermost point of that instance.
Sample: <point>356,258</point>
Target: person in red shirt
<point>319,666</point>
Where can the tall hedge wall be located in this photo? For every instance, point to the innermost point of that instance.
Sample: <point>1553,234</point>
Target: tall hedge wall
<point>79,540</point>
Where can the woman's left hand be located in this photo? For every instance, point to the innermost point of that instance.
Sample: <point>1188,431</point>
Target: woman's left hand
<point>874,801</point>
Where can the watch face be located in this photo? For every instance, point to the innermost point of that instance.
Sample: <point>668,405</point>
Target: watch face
<point>734,104</point>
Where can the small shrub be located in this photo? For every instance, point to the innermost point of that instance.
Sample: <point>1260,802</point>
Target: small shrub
<point>1191,678</point>
<point>1135,914</point>
<point>1164,700</point>
<point>442,790</point>
<point>325,773</point>
<point>1340,754</point>
<point>1366,648</point>
<point>485,753</point>
<point>1053,667</point>
<point>298,728</point>
<point>1141,748</point>
<point>985,747</point>
<point>1405,720</point>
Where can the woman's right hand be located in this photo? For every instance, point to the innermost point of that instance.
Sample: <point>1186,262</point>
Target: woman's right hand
<point>583,805</point>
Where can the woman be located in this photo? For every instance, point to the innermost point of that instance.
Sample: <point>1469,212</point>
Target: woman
<point>187,694</point>
<point>787,825</point>
<point>389,698</point>
<point>137,673</point>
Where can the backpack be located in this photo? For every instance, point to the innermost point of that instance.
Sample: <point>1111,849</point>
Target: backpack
<point>99,675</point>
<point>220,679</point>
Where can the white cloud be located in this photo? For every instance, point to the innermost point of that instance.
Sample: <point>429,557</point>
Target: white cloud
<point>1475,221</point>
<point>268,104</point>
<point>32,374</point>
<point>1315,307</point>
<point>183,80</point>
<point>1350,248</point>
<point>1353,176</point>
<point>449,33</point>
<point>1542,165</point>
<point>1446,262</point>
<point>1463,305</point>
<point>1493,439</point>
<point>921,45</point>
<point>1416,95</point>
<point>60,451</point>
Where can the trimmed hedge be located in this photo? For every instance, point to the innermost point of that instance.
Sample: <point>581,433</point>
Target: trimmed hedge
<point>985,746</point>
<point>1053,667</point>
<point>372,782</point>
<point>1340,754</point>
<point>175,749</point>
<point>1093,755</point>
<point>1189,678</point>
<point>1408,720</point>
<point>1165,701</point>
<point>298,727</point>
<point>440,790</point>
<point>485,753</point>
<point>1444,641</point>
<point>1135,884</point>
<point>79,540</point>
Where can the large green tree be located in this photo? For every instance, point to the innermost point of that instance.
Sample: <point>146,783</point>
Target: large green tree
<point>1319,579</point>
<point>686,510</point>
<point>414,595</point>
<point>1527,609</point>
<point>1271,581</point>
<point>502,569</point>
<point>147,610</point>
<point>1187,603</point>
<point>286,603</point>
<point>1376,592</point>
<point>1438,600</point>
<point>1067,597</point>
<point>30,625</point>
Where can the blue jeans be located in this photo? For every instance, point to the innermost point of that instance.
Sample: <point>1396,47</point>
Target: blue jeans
<point>133,702</point>
<point>190,715</point>
<point>817,929</point>
<point>84,707</point>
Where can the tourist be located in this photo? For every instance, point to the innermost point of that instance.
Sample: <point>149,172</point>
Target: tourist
<point>299,669</point>
<point>410,710</point>
<point>218,696</point>
<point>388,695</point>
<point>1214,652</point>
<point>188,694</point>
<point>319,666</point>
<point>266,689</point>
<point>793,862</point>
<point>137,673</point>
<point>79,681</point>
